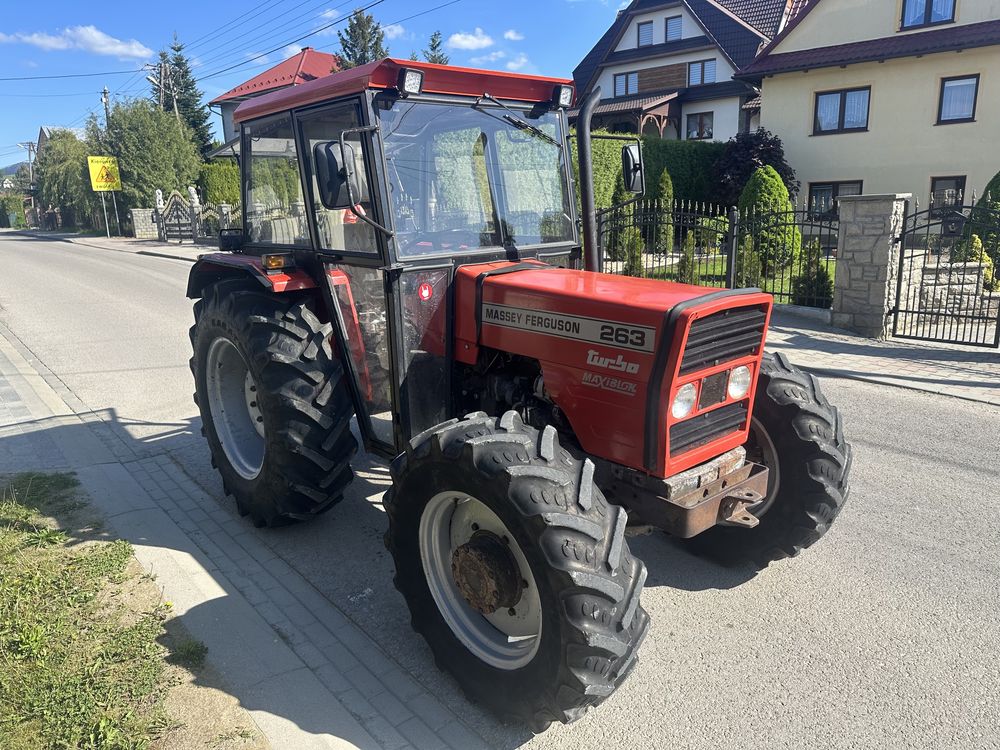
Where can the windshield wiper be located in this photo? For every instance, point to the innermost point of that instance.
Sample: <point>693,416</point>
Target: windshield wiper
<point>511,118</point>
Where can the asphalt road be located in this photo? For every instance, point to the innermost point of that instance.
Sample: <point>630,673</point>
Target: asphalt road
<point>885,635</point>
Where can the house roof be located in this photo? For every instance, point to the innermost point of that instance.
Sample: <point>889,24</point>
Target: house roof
<point>737,37</point>
<point>945,39</point>
<point>306,66</point>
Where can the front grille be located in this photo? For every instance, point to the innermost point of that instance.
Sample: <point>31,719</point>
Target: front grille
<point>722,337</point>
<point>706,427</point>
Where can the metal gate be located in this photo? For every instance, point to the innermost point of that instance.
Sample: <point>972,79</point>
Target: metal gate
<point>947,286</point>
<point>176,218</point>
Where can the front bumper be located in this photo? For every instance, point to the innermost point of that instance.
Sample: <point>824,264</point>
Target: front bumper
<point>719,492</point>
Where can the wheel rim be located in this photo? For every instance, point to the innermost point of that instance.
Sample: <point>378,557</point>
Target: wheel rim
<point>236,414</point>
<point>507,638</point>
<point>761,450</point>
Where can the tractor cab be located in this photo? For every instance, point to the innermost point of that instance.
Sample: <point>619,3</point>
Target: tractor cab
<point>385,179</point>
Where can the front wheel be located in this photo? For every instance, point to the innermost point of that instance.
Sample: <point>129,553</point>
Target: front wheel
<point>515,568</point>
<point>799,436</point>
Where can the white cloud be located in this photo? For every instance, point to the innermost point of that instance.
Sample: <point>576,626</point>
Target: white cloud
<point>513,35</point>
<point>478,39</point>
<point>86,38</point>
<point>290,51</point>
<point>490,57</point>
<point>393,31</point>
<point>518,62</point>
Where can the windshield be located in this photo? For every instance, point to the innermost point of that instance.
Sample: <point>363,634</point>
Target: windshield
<point>463,177</point>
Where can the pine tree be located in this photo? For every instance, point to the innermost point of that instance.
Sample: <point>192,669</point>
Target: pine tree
<point>435,51</point>
<point>180,83</point>
<point>666,243</point>
<point>362,42</point>
<point>414,56</point>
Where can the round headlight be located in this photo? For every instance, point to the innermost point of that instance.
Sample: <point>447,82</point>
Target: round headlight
<point>684,401</point>
<point>739,382</point>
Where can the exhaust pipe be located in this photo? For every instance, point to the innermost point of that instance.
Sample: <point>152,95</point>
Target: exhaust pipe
<point>588,214</point>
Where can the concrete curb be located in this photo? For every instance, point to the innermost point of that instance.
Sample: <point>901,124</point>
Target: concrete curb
<point>83,241</point>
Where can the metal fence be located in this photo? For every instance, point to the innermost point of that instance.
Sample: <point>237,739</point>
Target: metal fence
<point>788,253</point>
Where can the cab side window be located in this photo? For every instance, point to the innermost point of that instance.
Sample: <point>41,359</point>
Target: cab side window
<point>340,228</point>
<point>276,210</point>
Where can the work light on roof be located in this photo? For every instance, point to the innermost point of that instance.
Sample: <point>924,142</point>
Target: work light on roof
<point>562,96</point>
<point>411,81</point>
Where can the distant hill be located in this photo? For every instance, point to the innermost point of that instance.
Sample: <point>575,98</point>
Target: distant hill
<point>12,169</point>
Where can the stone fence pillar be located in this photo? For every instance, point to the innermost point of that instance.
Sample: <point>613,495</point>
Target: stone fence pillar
<point>864,292</point>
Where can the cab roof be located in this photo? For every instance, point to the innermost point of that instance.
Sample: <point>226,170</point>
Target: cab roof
<point>383,74</point>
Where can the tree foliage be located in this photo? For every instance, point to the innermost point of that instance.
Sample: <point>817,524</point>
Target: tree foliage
<point>742,156</point>
<point>12,205</point>
<point>813,286</point>
<point>767,211</point>
<point>154,151</point>
<point>666,231</point>
<point>220,182</point>
<point>687,265</point>
<point>363,41</point>
<point>63,179</point>
<point>189,98</point>
<point>435,50</point>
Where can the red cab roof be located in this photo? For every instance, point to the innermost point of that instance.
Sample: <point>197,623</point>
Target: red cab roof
<point>383,74</point>
<point>306,66</point>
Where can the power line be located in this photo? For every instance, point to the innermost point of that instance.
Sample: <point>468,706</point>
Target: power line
<point>246,17</point>
<point>408,18</point>
<point>69,75</point>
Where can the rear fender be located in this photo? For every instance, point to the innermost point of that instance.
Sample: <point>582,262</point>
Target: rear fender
<point>213,267</point>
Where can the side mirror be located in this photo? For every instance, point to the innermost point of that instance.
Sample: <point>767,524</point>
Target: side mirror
<point>632,170</point>
<point>231,240</point>
<point>332,176</point>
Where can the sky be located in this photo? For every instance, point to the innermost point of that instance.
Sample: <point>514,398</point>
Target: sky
<point>230,41</point>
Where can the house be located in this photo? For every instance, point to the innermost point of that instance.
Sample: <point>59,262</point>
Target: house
<point>306,66</point>
<point>666,68</point>
<point>886,96</point>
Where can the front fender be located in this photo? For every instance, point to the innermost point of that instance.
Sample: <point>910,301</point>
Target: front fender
<point>213,267</point>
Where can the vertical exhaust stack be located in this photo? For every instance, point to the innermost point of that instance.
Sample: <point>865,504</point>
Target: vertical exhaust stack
<point>588,214</point>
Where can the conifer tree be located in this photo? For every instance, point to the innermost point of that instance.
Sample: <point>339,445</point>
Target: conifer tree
<point>363,41</point>
<point>435,50</point>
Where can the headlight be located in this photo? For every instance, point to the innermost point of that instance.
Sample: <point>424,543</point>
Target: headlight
<point>739,382</point>
<point>684,401</point>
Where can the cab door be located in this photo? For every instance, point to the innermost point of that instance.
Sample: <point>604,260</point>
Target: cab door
<point>351,254</point>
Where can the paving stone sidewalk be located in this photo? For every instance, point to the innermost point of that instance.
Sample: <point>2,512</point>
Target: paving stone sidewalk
<point>188,251</point>
<point>307,674</point>
<point>966,372</point>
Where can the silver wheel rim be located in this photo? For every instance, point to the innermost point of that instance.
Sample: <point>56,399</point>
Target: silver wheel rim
<point>764,452</point>
<point>232,401</point>
<point>500,639</point>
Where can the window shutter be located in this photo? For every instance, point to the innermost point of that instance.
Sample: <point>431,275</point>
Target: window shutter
<point>645,33</point>
<point>673,29</point>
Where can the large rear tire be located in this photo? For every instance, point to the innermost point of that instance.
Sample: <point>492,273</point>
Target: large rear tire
<point>515,568</point>
<point>799,436</point>
<point>274,405</point>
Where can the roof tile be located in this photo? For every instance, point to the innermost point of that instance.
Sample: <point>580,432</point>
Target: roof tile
<point>308,65</point>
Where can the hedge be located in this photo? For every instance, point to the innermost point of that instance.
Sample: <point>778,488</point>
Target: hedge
<point>12,204</point>
<point>220,182</point>
<point>688,162</point>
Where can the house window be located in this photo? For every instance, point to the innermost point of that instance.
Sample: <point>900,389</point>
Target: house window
<point>626,84</point>
<point>918,13</point>
<point>947,192</point>
<point>701,72</point>
<point>841,111</point>
<point>673,28</point>
<point>699,126</point>
<point>823,195</point>
<point>958,99</point>
<point>645,33</point>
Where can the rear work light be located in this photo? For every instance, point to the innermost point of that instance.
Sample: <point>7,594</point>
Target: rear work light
<point>276,262</point>
<point>562,96</point>
<point>411,81</point>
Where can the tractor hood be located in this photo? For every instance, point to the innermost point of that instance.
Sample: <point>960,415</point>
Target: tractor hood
<point>607,344</point>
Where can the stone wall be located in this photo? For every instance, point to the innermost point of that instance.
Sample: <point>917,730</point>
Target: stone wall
<point>144,224</point>
<point>867,260</point>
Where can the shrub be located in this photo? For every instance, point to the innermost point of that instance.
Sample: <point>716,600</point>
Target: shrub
<point>972,251</point>
<point>12,204</point>
<point>220,182</point>
<point>631,248</point>
<point>742,156</point>
<point>687,265</point>
<point>710,231</point>
<point>766,208</point>
<point>665,240</point>
<point>749,271</point>
<point>813,287</point>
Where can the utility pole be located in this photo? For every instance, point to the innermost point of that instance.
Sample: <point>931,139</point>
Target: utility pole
<point>106,98</point>
<point>30,145</point>
<point>162,79</point>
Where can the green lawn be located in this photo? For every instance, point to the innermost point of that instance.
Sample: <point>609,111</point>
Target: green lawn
<point>80,665</point>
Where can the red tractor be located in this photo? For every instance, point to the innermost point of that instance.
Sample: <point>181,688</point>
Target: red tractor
<point>409,259</point>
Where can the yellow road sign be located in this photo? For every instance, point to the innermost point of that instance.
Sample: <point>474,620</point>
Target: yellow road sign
<point>104,173</point>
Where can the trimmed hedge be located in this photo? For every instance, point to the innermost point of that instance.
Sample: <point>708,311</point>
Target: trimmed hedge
<point>12,204</point>
<point>220,182</point>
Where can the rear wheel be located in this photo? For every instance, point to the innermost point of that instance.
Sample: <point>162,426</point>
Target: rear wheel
<point>799,436</point>
<point>274,405</point>
<point>515,568</point>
